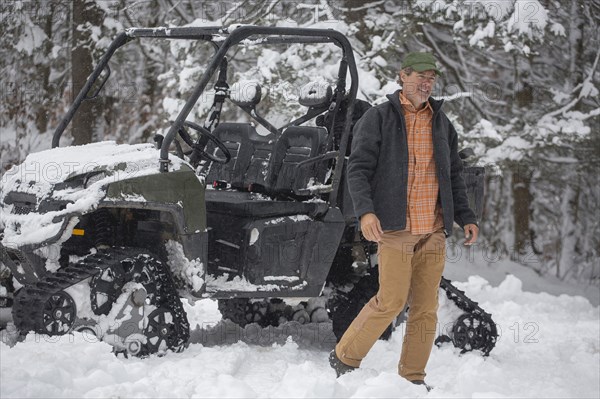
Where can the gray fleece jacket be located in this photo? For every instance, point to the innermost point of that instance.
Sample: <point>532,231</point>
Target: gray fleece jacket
<point>378,166</point>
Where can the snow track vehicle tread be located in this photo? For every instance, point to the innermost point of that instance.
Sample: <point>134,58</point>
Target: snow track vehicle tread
<point>475,329</point>
<point>41,307</point>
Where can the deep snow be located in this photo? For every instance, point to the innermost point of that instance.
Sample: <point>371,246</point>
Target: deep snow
<point>549,347</point>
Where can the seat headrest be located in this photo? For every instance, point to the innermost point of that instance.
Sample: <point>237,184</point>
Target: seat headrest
<point>310,134</point>
<point>315,94</point>
<point>245,92</point>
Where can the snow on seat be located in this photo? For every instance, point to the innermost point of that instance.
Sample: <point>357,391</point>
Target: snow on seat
<point>295,145</point>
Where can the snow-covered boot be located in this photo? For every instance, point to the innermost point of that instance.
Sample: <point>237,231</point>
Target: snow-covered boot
<point>339,367</point>
<point>421,382</point>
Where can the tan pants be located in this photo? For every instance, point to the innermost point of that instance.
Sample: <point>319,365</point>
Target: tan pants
<point>410,269</point>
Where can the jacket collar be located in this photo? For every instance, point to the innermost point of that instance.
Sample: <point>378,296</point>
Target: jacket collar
<point>394,98</point>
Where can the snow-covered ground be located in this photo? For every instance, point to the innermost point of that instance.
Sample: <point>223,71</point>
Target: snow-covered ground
<point>549,347</point>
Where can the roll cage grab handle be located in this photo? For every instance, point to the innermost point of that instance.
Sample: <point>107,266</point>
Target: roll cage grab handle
<point>278,35</point>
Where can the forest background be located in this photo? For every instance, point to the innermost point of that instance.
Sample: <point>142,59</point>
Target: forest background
<point>520,80</point>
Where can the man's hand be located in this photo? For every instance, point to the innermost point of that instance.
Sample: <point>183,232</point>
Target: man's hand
<point>471,233</point>
<point>371,227</point>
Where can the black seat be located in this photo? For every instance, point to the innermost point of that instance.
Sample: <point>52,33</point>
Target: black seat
<point>250,151</point>
<point>295,145</point>
<point>236,137</point>
<point>258,166</point>
<point>250,156</point>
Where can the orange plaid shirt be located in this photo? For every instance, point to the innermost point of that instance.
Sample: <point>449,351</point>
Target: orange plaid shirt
<point>423,215</point>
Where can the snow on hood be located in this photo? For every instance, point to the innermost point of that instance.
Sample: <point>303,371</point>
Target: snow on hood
<point>75,176</point>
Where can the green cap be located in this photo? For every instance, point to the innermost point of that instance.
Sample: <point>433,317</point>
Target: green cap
<point>421,62</point>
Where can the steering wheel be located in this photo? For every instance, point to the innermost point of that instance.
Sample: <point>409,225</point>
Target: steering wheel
<point>204,135</point>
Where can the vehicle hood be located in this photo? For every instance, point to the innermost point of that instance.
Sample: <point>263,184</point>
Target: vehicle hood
<point>37,195</point>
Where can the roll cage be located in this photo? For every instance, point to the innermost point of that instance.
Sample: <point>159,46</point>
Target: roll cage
<point>223,39</point>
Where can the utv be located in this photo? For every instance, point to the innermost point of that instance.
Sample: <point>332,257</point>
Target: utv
<point>109,237</point>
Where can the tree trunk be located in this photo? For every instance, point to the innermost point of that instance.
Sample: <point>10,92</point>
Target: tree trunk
<point>85,16</point>
<point>576,27</point>
<point>43,109</point>
<point>497,223</point>
<point>521,180</point>
<point>566,264</point>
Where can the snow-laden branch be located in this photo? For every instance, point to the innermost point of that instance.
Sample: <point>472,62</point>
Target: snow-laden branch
<point>327,9</point>
<point>561,160</point>
<point>582,93</point>
<point>455,67</point>
<point>591,114</point>
<point>463,94</point>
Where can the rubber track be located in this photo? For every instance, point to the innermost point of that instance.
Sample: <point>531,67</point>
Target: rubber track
<point>348,305</point>
<point>30,300</point>
<point>170,298</point>
<point>464,303</point>
<point>351,303</point>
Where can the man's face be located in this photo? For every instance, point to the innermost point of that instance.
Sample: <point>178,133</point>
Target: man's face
<point>417,86</point>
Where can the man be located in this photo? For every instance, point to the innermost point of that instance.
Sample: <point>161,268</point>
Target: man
<point>404,176</point>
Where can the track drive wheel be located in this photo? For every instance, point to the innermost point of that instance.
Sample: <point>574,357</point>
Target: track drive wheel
<point>59,314</point>
<point>474,332</point>
<point>162,332</point>
<point>105,288</point>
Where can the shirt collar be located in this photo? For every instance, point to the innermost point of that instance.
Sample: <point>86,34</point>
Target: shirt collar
<point>407,104</point>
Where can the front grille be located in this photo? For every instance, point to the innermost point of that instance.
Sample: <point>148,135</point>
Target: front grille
<point>23,209</point>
